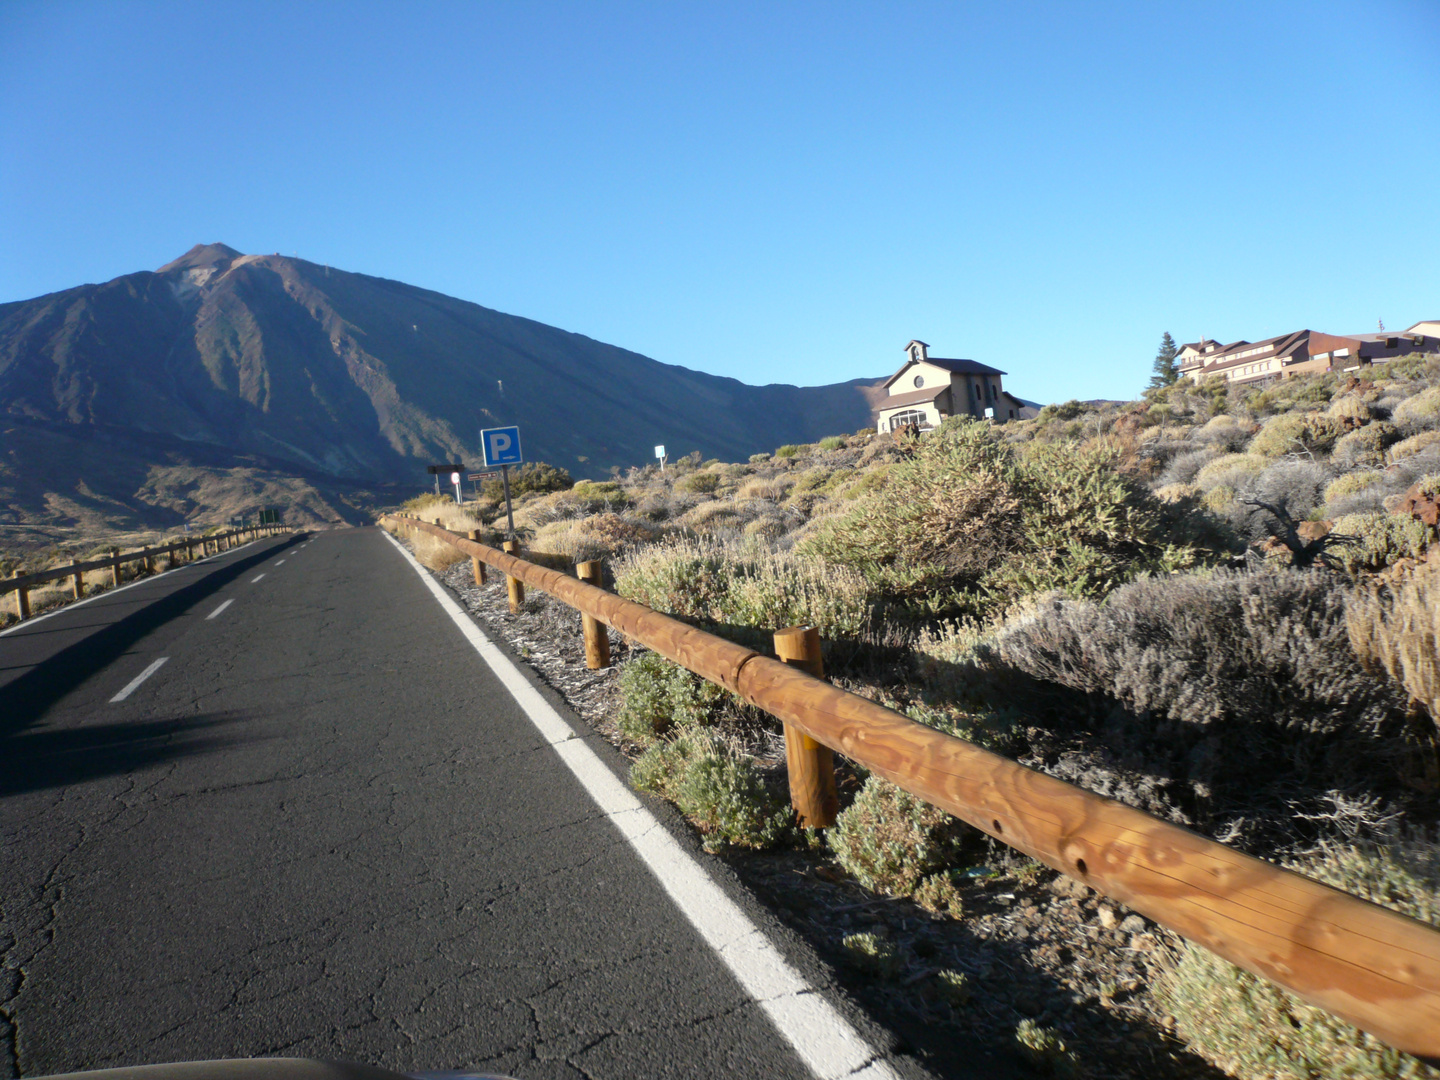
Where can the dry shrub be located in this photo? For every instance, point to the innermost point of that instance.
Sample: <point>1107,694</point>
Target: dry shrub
<point>1350,408</point>
<point>1379,540</point>
<point>1419,413</point>
<point>1396,629</point>
<point>892,841</point>
<point>968,524</point>
<point>1231,471</point>
<point>1365,445</point>
<point>435,553</point>
<point>773,488</point>
<point>1290,432</point>
<point>1250,1027</point>
<point>1351,483</point>
<point>1240,692</point>
<point>746,585</point>
<point>1416,444</point>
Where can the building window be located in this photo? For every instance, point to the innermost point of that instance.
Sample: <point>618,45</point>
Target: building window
<point>908,418</point>
<point>919,380</point>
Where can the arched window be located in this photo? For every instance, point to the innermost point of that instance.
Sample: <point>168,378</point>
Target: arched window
<point>908,418</point>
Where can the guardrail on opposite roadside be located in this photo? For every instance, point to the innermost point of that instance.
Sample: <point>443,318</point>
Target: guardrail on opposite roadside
<point>174,553</point>
<point>1367,964</point>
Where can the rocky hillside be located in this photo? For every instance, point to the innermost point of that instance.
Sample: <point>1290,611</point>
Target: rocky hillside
<point>335,382</point>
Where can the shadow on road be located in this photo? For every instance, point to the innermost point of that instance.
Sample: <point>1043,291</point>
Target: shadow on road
<point>37,760</point>
<point>29,696</point>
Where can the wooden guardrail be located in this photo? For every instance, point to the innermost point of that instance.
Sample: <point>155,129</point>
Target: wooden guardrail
<point>1367,964</point>
<point>21,584</point>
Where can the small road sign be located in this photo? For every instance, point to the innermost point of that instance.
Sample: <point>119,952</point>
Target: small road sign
<point>502,446</point>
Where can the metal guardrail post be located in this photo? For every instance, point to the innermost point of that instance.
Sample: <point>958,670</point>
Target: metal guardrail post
<point>811,766</point>
<point>597,636</point>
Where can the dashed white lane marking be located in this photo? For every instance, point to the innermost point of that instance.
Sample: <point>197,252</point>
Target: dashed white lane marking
<point>28,623</point>
<point>256,578</point>
<point>219,609</point>
<point>138,679</point>
<point>825,1041</point>
<point>280,563</point>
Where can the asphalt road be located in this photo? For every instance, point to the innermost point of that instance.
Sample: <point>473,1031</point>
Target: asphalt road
<point>322,827</point>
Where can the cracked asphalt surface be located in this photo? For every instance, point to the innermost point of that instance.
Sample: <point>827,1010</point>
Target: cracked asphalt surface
<point>322,828</point>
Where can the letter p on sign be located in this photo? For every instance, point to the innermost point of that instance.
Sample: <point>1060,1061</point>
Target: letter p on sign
<point>501,445</point>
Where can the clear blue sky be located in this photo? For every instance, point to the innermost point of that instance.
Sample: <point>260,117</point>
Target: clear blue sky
<point>781,192</point>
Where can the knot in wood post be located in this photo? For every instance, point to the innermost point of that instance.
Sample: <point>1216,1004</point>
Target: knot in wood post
<point>514,586</point>
<point>77,580</point>
<point>811,766</point>
<point>475,564</point>
<point>597,637</point>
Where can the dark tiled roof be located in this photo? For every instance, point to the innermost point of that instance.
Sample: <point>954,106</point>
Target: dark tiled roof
<point>1283,347</point>
<point>958,367</point>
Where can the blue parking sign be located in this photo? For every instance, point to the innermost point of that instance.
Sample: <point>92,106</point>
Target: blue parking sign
<point>501,445</point>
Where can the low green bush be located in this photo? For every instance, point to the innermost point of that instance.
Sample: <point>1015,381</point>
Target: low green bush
<point>1352,483</point>
<point>537,477</point>
<point>1250,1027</point>
<point>700,483</point>
<point>789,450</point>
<point>967,524</point>
<point>1420,412</point>
<point>1292,432</point>
<point>723,795</point>
<point>746,585</point>
<point>832,442</point>
<point>658,695</point>
<point>873,955</point>
<point>891,841</point>
<point>1379,540</point>
<point>1045,1050</point>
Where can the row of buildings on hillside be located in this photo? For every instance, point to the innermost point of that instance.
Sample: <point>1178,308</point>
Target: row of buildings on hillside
<point>928,389</point>
<point>1303,352</point>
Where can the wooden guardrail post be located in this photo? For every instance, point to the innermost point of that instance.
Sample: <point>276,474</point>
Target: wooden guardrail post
<point>475,563</point>
<point>149,557</point>
<point>114,567</point>
<point>811,765</point>
<point>597,636</point>
<point>77,581</point>
<point>22,598</point>
<point>513,586</point>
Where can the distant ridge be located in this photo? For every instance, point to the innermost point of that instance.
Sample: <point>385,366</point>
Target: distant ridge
<point>279,364</point>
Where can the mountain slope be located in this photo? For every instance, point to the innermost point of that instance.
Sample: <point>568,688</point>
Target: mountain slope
<point>360,377</point>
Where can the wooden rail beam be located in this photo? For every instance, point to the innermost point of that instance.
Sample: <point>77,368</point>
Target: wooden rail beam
<point>1367,964</point>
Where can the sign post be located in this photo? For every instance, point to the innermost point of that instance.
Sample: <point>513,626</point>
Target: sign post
<point>660,453</point>
<point>455,479</point>
<point>436,470</point>
<point>502,449</point>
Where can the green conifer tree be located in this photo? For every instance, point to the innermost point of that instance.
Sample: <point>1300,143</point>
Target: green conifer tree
<point>1167,372</point>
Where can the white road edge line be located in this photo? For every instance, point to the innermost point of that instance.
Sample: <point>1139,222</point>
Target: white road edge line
<point>256,578</point>
<point>138,679</point>
<point>219,609</point>
<point>825,1041</point>
<point>111,592</point>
